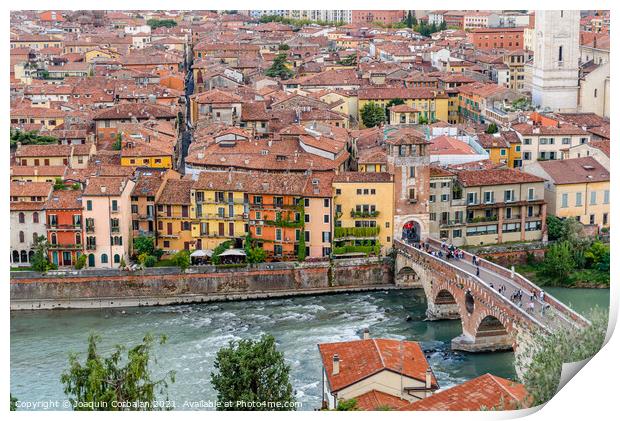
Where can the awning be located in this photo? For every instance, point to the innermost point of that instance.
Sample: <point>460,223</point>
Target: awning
<point>202,253</point>
<point>233,252</point>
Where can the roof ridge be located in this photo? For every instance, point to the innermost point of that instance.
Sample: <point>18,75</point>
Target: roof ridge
<point>502,386</point>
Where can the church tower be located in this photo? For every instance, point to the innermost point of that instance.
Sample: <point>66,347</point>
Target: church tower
<point>409,160</point>
<point>555,73</point>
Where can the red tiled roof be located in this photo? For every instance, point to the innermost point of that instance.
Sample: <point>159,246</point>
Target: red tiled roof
<point>576,170</point>
<point>486,391</point>
<point>377,400</point>
<point>363,358</point>
<point>493,177</point>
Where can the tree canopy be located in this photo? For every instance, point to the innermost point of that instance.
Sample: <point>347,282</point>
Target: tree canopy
<point>252,375</point>
<point>102,383</point>
<point>157,23</point>
<point>279,69</point>
<point>372,114</point>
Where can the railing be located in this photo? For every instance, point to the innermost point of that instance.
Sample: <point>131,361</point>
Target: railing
<point>64,226</point>
<point>364,214</point>
<point>344,232</point>
<point>525,284</point>
<point>65,246</point>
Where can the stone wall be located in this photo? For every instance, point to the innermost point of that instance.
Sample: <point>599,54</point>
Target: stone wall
<point>158,286</point>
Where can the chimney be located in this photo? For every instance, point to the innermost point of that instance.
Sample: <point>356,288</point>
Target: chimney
<point>336,365</point>
<point>366,333</point>
<point>427,379</point>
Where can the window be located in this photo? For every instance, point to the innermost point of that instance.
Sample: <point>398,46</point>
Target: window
<point>591,219</point>
<point>326,203</point>
<point>35,217</point>
<point>411,172</point>
<point>278,234</point>
<point>489,197</point>
<point>560,55</point>
<point>606,197</point>
<point>117,258</point>
<point>326,219</point>
<point>22,218</point>
<point>472,198</point>
<point>327,237</point>
<point>104,258</point>
<point>527,141</point>
<point>578,199</point>
<point>114,206</point>
<point>457,233</point>
<point>593,198</point>
<point>513,227</point>
<point>21,237</point>
<point>412,194</point>
<point>530,194</point>
<point>527,156</point>
<point>482,230</point>
<point>89,205</point>
<point>338,191</point>
<point>564,200</point>
<point>431,198</point>
<point>566,141</point>
<point>533,226</point>
<point>259,231</point>
<point>508,213</point>
<point>605,218</point>
<point>306,217</point>
<point>509,195</point>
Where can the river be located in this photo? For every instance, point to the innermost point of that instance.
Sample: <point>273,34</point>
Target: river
<point>41,340</point>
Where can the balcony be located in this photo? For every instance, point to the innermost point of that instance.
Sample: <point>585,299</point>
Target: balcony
<point>91,246</point>
<point>115,230</point>
<point>90,229</point>
<point>342,233</point>
<point>65,246</point>
<point>482,219</point>
<point>364,214</point>
<point>143,216</point>
<point>450,222</point>
<point>64,227</point>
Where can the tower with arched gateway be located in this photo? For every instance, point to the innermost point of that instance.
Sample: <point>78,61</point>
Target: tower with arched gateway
<point>408,159</point>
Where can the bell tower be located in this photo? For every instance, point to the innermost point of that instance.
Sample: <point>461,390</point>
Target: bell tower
<point>555,72</point>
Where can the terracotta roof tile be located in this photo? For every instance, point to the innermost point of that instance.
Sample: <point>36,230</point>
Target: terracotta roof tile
<point>376,400</point>
<point>486,391</point>
<point>576,170</point>
<point>492,177</point>
<point>363,358</point>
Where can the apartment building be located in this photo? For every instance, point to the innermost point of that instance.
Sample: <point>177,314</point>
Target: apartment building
<point>577,188</point>
<point>174,223</point>
<point>107,219</point>
<point>502,205</point>
<point>65,227</point>
<point>364,213</point>
<point>447,209</point>
<point>541,142</point>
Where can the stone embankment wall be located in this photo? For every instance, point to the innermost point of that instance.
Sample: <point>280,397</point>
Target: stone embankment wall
<point>160,286</point>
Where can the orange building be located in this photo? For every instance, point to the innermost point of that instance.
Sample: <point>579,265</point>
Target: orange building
<point>65,231</point>
<point>386,17</point>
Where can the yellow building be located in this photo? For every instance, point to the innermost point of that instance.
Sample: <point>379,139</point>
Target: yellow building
<point>503,148</point>
<point>174,222</point>
<point>95,53</point>
<point>364,211</point>
<point>218,210</point>
<point>577,188</point>
<point>145,157</point>
<point>142,146</point>
<point>432,105</point>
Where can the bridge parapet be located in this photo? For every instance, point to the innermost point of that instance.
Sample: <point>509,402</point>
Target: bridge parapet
<point>527,286</point>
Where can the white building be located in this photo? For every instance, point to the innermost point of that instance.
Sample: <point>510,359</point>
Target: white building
<point>555,72</point>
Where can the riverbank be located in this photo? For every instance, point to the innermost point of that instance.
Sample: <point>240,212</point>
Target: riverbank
<point>580,278</point>
<point>164,286</point>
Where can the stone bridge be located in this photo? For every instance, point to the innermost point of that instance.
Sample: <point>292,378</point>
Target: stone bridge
<point>490,320</point>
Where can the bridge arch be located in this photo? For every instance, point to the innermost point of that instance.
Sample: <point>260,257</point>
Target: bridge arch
<point>406,275</point>
<point>490,326</point>
<point>444,297</point>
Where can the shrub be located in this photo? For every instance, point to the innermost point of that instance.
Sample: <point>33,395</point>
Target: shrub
<point>80,263</point>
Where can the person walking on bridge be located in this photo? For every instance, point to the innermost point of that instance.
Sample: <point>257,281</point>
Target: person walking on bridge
<point>477,270</point>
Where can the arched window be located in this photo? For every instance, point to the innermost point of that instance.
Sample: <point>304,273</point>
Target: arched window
<point>21,236</point>
<point>117,258</point>
<point>595,93</point>
<point>24,256</point>
<point>78,238</point>
<point>35,238</point>
<point>22,218</point>
<point>560,55</point>
<point>91,260</point>
<point>35,217</point>
<point>15,256</point>
<point>53,238</point>
<point>104,258</point>
<point>30,255</point>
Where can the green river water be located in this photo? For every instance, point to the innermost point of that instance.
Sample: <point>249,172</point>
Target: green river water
<point>42,340</point>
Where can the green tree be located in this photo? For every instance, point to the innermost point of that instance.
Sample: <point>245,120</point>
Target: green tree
<point>182,259</point>
<point>80,263</point>
<point>540,366</point>
<point>156,23</point>
<point>283,47</point>
<point>596,254</point>
<point>443,26</point>
<point>144,244</point>
<point>555,227</point>
<point>279,69</point>
<point>118,143</point>
<point>350,60</point>
<point>559,261</point>
<point>221,248</point>
<point>253,254</point>
<point>372,114</point>
<point>491,128</point>
<point>101,382</point>
<point>253,372</point>
<point>347,405</point>
<point>410,19</point>
<point>39,261</point>
<point>13,405</point>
